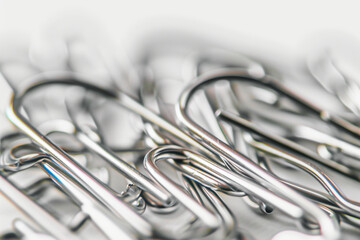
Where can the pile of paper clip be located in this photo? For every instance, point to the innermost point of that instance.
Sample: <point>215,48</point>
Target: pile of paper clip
<point>190,141</point>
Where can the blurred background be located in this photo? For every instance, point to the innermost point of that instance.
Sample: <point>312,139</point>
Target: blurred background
<point>256,24</point>
<point>278,33</point>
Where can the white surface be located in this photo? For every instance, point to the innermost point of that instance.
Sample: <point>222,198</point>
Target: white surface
<point>279,22</point>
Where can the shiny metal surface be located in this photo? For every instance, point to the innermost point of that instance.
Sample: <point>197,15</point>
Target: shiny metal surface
<point>192,140</point>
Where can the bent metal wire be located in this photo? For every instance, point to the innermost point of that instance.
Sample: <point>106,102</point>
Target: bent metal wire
<point>190,166</point>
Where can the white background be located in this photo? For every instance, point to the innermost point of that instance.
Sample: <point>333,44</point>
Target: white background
<point>285,23</point>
